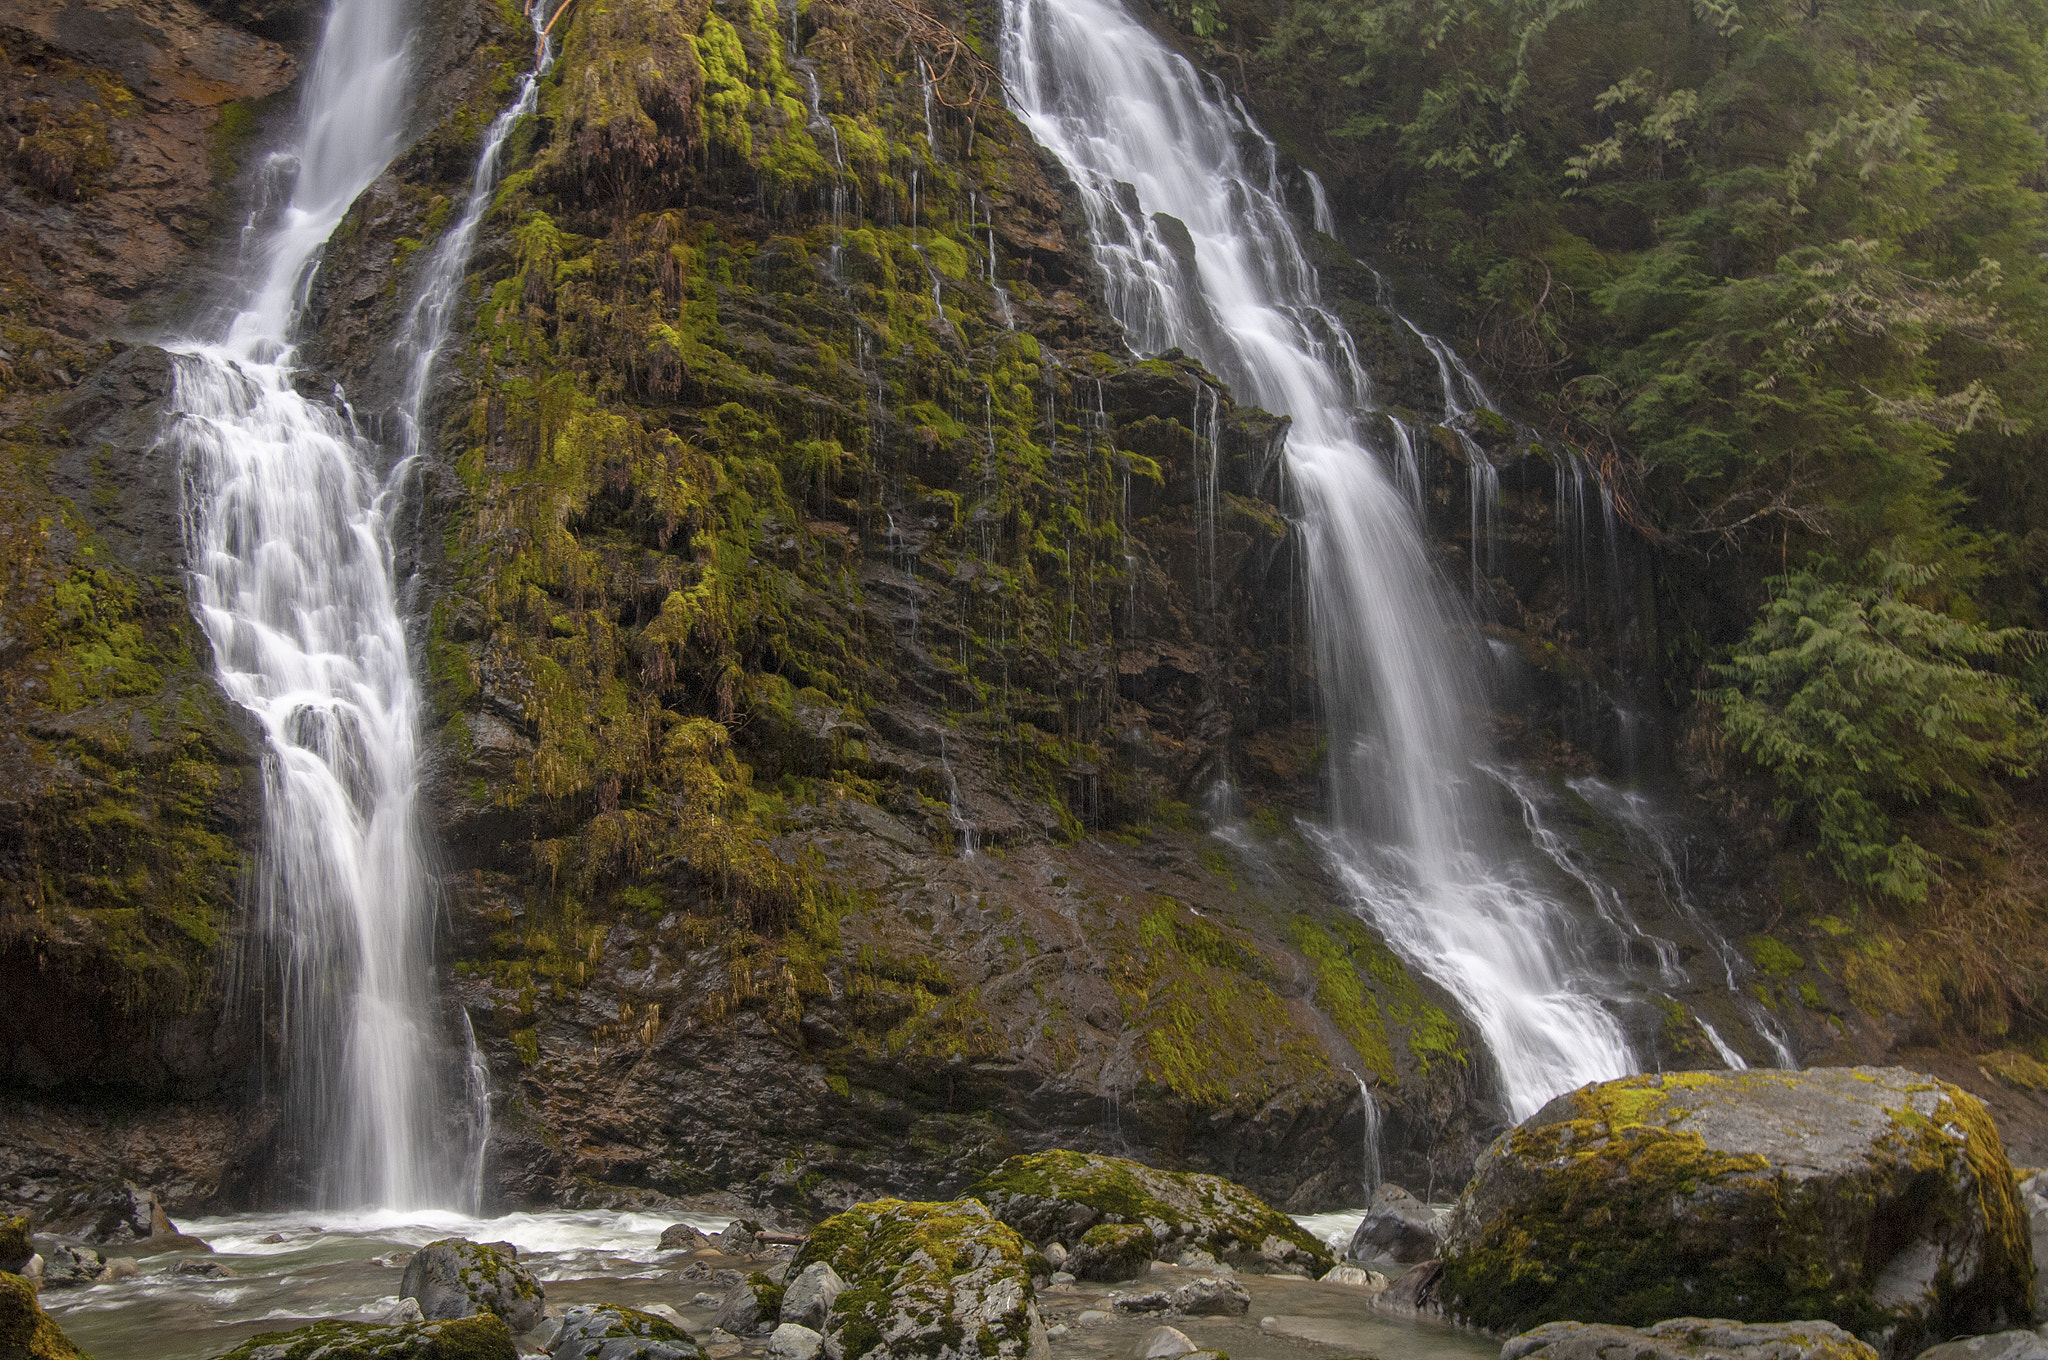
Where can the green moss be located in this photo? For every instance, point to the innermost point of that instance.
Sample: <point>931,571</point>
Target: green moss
<point>1773,957</point>
<point>483,1337</point>
<point>26,1331</point>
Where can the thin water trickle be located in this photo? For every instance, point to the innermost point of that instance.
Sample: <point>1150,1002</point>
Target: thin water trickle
<point>289,539</point>
<point>1195,251</point>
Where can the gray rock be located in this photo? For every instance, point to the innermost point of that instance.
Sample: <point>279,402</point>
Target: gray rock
<point>1689,1339</point>
<point>122,1268</point>
<point>1163,1343</point>
<point>456,1278</point>
<point>478,1338</point>
<point>609,1333</point>
<point>405,1311</point>
<point>1151,1301</point>
<point>67,1267</point>
<point>2034,1202</point>
<point>1353,1277</point>
<point>202,1270</point>
<point>740,1238</point>
<point>1211,1298</point>
<point>2015,1345</point>
<point>1398,1226</point>
<point>809,1297</point>
<point>791,1342</point>
<point>744,1309</point>
<point>1055,1254</point>
<point>683,1237</point>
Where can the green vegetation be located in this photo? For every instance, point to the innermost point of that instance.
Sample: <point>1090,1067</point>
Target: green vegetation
<point>1775,268</point>
<point>483,1337</point>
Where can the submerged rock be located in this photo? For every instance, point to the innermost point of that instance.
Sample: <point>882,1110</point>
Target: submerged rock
<point>1688,1339</point>
<point>683,1237</point>
<point>457,1278</point>
<point>935,1281</point>
<point>26,1331</point>
<point>484,1337</point>
<point>609,1333</point>
<point>1066,1196</point>
<point>65,1266</point>
<point>1872,1198</point>
<point>1398,1226</point>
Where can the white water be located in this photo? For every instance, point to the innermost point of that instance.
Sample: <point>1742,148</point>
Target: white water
<point>1159,164</point>
<point>288,533</point>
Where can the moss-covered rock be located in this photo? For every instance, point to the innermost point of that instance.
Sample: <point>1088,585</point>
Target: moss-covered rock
<point>457,1278</point>
<point>1873,1198</point>
<point>478,1338</point>
<point>26,1331</point>
<point>1688,1339</point>
<point>1065,1197</point>
<point>15,1247</point>
<point>1113,1251</point>
<point>598,1331</point>
<point>934,1281</point>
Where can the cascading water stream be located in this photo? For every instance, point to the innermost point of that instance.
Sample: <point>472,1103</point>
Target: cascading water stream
<point>288,535</point>
<point>1196,251</point>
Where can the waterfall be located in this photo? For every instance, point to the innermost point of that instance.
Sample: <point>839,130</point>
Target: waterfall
<point>1196,250</point>
<point>290,552</point>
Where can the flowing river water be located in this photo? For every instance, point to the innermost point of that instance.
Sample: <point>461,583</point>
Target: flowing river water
<point>289,508</point>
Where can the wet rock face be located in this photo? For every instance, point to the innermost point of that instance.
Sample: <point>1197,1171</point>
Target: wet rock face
<point>454,1278</point>
<point>475,1338</point>
<point>1688,1339</point>
<point>937,1281</point>
<point>1874,1198</point>
<point>1112,1213</point>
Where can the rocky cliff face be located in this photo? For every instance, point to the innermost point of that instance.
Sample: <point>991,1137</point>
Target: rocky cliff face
<point>837,639</point>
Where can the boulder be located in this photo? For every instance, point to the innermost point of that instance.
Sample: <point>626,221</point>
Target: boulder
<point>473,1338</point>
<point>1163,1343</point>
<point>807,1300</point>
<point>15,1247</point>
<point>1872,1198</point>
<point>2014,1345</point>
<point>65,1267</point>
<point>934,1281</point>
<point>1061,1196</point>
<point>1688,1339</point>
<point>683,1237</point>
<point>791,1342</point>
<point>753,1305</point>
<point>457,1278</point>
<point>1196,1298</point>
<point>741,1237</point>
<point>26,1331</point>
<point>1397,1226</point>
<point>2034,1202</point>
<point>1356,1278</point>
<point>1113,1251</point>
<point>611,1333</point>
<point>109,1213</point>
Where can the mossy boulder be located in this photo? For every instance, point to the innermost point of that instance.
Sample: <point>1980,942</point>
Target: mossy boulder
<point>26,1331</point>
<point>484,1337</point>
<point>1873,1198</point>
<point>457,1278</point>
<point>1688,1339</point>
<point>610,1333</point>
<point>1112,1251</point>
<point>1063,1196</point>
<point>15,1247</point>
<point>932,1281</point>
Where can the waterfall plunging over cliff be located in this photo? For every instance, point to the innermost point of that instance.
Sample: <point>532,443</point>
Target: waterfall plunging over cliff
<point>1197,250</point>
<point>288,535</point>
